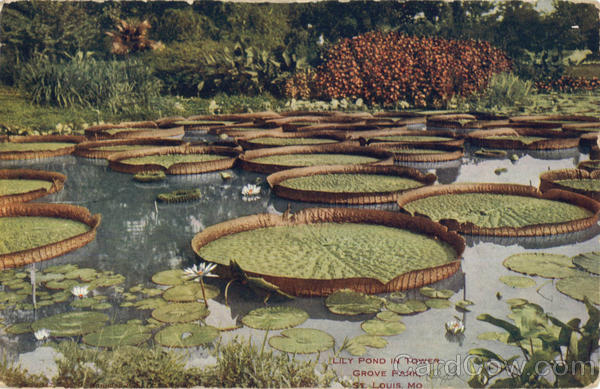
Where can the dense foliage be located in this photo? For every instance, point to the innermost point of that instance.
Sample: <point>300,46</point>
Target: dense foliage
<point>387,68</point>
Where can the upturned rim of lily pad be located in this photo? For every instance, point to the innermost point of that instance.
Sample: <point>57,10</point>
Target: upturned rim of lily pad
<point>57,180</point>
<point>39,154</point>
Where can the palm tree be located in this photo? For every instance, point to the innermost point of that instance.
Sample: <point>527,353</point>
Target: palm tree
<point>131,37</point>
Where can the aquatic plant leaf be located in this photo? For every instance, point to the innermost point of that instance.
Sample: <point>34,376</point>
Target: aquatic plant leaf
<point>150,303</point>
<point>580,287</point>
<point>275,318</point>
<point>516,302</point>
<point>302,341</point>
<point>358,345</point>
<point>438,303</point>
<point>61,297</point>
<point>491,210</point>
<point>397,296</point>
<point>42,278</point>
<point>190,291</point>
<point>136,288</point>
<point>83,303</point>
<point>151,292</point>
<point>262,284</point>
<point>351,183</point>
<point>18,328</point>
<point>434,293</point>
<point>180,312</point>
<point>150,176</point>
<point>463,304</point>
<point>499,336</point>
<point>118,335</point>
<point>383,328</point>
<point>107,279</point>
<point>63,284</point>
<point>60,268</point>
<point>168,160</point>
<point>541,264</point>
<point>588,261</point>
<point>186,335</point>
<point>388,316</point>
<point>180,195</point>
<point>169,277</point>
<point>101,306</point>
<point>349,302</point>
<point>406,308</point>
<point>314,159</point>
<point>84,274</point>
<point>518,281</point>
<point>71,323</point>
<point>11,298</point>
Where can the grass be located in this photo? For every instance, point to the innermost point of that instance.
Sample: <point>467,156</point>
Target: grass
<point>238,364</point>
<point>40,231</point>
<point>10,186</point>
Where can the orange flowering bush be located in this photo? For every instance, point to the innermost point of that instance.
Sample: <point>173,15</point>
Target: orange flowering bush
<point>301,85</point>
<point>386,68</point>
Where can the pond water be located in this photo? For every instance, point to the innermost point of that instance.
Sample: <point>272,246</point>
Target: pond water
<point>139,237</point>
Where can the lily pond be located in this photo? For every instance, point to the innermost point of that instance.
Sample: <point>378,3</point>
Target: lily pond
<point>140,238</point>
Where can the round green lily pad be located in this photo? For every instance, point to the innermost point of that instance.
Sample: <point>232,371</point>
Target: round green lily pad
<point>438,303</point>
<point>408,307</point>
<point>541,264</point>
<point>83,303</point>
<point>397,296</point>
<point>588,261</point>
<point>60,268</point>
<point>358,345</point>
<point>388,316</point>
<point>61,297</point>
<point>190,291</point>
<point>349,302</point>
<point>302,341</point>
<point>150,303</point>
<point>45,303</point>
<point>180,195</point>
<point>499,336</point>
<point>351,183</point>
<point>580,287</point>
<point>180,312</point>
<point>47,277</point>
<point>169,277</point>
<point>275,318</point>
<point>463,304</point>
<point>151,292</point>
<point>518,281</point>
<point>434,293</point>
<point>186,335</point>
<point>118,335</point>
<point>101,306</point>
<point>107,279</point>
<point>11,298</point>
<point>18,328</point>
<point>383,328</point>
<point>63,284</point>
<point>150,176</point>
<point>84,274</point>
<point>71,323</point>
<point>516,302</point>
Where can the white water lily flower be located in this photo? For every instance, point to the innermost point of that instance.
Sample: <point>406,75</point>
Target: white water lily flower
<point>250,190</point>
<point>202,270</point>
<point>41,334</point>
<point>455,327</point>
<point>80,291</point>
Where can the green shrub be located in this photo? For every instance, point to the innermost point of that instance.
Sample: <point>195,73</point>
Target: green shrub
<point>83,81</point>
<point>504,90</point>
<point>540,66</point>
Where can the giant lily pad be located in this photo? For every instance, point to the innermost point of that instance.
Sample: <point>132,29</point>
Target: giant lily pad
<point>169,277</point>
<point>541,264</point>
<point>118,335</point>
<point>349,302</point>
<point>168,160</point>
<point>588,261</point>
<point>275,318</point>
<point>295,160</point>
<point>358,345</point>
<point>302,341</point>
<point>383,328</point>
<point>190,291</point>
<point>580,287</point>
<point>28,232</point>
<point>351,183</point>
<point>71,323</point>
<point>180,312</point>
<point>406,308</point>
<point>518,281</point>
<point>434,293</point>
<point>18,186</point>
<point>186,335</point>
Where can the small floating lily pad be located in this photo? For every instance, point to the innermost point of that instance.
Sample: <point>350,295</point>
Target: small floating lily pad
<point>580,287</point>
<point>107,279</point>
<point>191,291</point>
<point>60,268</point>
<point>63,284</point>
<point>84,274</point>
<point>180,312</point>
<point>118,335</point>
<point>588,261</point>
<point>349,302</point>
<point>434,293</point>
<point>518,281</point>
<point>101,306</point>
<point>383,328</point>
<point>408,307</point>
<point>83,303</point>
<point>463,304</point>
<point>150,176</point>
<point>11,298</point>
<point>186,335</point>
<point>358,345</point>
<point>541,264</point>
<point>149,303</point>
<point>151,292</point>
<point>180,196</point>
<point>438,303</point>
<point>71,323</point>
<point>169,277</point>
<point>516,302</point>
<point>18,328</point>
<point>43,278</point>
<point>302,341</point>
<point>275,318</point>
<point>397,296</point>
<point>388,316</point>
<point>498,336</point>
